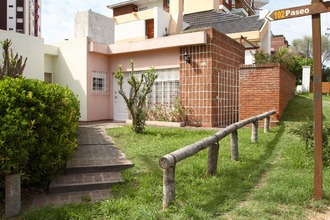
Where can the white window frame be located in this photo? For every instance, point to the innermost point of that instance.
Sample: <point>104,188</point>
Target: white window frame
<point>168,83</point>
<point>99,82</point>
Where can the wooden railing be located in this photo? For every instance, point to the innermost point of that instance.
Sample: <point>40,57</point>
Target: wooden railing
<point>169,161</point>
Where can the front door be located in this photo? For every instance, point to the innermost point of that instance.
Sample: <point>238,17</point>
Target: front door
<point>120,112</point>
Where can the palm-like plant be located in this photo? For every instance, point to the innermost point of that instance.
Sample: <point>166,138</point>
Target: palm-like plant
<point>12,66</point>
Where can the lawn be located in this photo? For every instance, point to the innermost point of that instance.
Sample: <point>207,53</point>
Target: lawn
<point>272,180</point>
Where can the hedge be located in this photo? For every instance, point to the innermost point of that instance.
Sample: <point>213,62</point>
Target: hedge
<point>38,129</point>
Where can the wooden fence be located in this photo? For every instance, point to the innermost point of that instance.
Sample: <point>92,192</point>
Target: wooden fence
<point>168,162</point>
<point>325,87</point>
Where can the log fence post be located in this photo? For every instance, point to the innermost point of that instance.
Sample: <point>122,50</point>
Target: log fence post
<point>169,161</point>
<point>212,163</point>
<point>168,186</point>
<point>234,146</point>
<point>267,124</point>
<point>254,134</point>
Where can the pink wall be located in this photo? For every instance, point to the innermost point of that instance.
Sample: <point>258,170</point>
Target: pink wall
<point>159,59</point>
<point>99,106</point>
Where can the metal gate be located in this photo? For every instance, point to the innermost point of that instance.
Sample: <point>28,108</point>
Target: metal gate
<point>228,97</point>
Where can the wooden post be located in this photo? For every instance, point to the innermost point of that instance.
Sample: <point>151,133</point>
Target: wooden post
<point>212,163</point>
<point>234,146</point>
<point>168,186</point>
<point>317,49</point>
<point>267,124</point>
<point>254,134</point>
<point>13,195</point>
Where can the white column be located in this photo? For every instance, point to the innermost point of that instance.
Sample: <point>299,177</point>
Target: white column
<point>306,79</point>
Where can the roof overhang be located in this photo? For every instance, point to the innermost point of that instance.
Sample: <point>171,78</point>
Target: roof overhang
<point>251,37</point>
<point>122,3</point>
<point>180,40</point>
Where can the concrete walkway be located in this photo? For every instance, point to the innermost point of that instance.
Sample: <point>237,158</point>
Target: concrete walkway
<point>96,154</point>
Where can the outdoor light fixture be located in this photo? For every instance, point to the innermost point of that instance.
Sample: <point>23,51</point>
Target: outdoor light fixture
<point>187,57</point>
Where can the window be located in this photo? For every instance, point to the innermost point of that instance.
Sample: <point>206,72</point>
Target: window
<point>19,20</point>
<point>166,87</point>
<point>11,6</point>
<point>99,82</point>
<point>48,77</point>
<point>11,29</point>
<point>19,9</point>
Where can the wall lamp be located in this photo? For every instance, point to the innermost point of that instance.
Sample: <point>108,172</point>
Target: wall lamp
<point>186,57</point>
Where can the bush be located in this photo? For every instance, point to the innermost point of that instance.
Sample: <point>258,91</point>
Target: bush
<point>173,112</point>
<point>306,133</point>
<point>38,129</point>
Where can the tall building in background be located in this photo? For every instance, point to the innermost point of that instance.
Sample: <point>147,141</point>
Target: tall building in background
<point>22,16</point>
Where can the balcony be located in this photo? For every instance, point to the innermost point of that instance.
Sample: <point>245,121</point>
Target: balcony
<point>260,3</point>
<point>141,25</point>
<point>243,8</point>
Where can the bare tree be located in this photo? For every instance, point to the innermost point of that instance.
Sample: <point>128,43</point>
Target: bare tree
<point>136,99</point>
<point>304,46</point>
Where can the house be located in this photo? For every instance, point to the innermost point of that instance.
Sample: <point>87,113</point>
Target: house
<point>159,34</point>
<point>277,42</point>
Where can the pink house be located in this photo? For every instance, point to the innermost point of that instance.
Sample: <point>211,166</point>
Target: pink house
<point>158,35</point>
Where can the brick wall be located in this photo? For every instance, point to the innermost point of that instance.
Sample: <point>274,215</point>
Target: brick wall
<point>199,80</point>
<point>264,88</point>
<point>278,41</point>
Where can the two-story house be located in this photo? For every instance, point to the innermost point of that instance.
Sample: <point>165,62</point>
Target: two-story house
<point>196,61</point>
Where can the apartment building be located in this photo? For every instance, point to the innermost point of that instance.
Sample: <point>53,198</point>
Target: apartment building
<point>21,16</point>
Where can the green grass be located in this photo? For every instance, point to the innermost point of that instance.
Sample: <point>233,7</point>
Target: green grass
<point>272,180</point>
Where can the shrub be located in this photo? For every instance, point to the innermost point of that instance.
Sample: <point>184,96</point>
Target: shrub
<point>306,133</point>
<point>38,129</point>
<point>173,112</point>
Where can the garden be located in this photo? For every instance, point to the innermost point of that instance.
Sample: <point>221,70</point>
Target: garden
<point>272,180</point>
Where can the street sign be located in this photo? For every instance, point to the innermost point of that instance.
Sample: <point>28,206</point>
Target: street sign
<point>312,9</point>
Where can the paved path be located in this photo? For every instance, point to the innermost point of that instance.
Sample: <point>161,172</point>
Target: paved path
<point>93,143</point>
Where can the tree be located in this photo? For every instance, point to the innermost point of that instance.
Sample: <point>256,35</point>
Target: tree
<point>136,100</point>
<point>12,66</point>
<point>305,48</point>
<point>325,74</point>
<point>288,58</point>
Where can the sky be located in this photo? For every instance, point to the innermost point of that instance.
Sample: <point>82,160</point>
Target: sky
<point>58,18</point>
<point>296,27</point>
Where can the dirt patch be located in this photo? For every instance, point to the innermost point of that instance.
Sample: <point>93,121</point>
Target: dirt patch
<point>325,215</point>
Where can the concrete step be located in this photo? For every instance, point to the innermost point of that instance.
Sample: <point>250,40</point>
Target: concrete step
<point>84,182</point>
<point>81,166</point>
<point>97,158</point>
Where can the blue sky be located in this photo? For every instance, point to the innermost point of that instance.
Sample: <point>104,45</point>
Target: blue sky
<point>58,18</point>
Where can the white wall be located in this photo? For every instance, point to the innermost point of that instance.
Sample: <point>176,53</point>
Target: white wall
<point>266,41</point>
<point>162,21</point>
<point>30,47</point>
<point>91,24</point>
<point>131,30</point>
<point>249,56</point>
<point>70,69</point>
